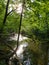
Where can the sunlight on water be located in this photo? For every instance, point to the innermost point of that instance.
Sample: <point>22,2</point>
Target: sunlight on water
<point>21,49</point>
<point>21,38</point>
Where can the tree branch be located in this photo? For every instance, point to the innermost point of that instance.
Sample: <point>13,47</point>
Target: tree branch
<point>11,12</point>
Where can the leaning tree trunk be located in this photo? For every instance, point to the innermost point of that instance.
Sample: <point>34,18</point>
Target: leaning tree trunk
<point>5,17</point>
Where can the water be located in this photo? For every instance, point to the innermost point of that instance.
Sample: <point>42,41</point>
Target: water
<point>21,38</point>
<point>21,48</point>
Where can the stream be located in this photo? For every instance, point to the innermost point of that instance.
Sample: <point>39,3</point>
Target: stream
<point>21,48</point>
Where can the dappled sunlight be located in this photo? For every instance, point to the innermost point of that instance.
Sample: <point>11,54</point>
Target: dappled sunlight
<point>32,0</point>
<point>19,8</point>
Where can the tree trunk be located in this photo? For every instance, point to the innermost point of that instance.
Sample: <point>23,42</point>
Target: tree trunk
<point>5,17</point>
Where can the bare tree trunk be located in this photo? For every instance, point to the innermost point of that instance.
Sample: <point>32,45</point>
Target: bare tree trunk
<point>19,29</point>
<point>5,17</point>
<point>23,3</point>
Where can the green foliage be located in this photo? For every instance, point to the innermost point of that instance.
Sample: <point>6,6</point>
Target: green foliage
<point>35,25</point>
